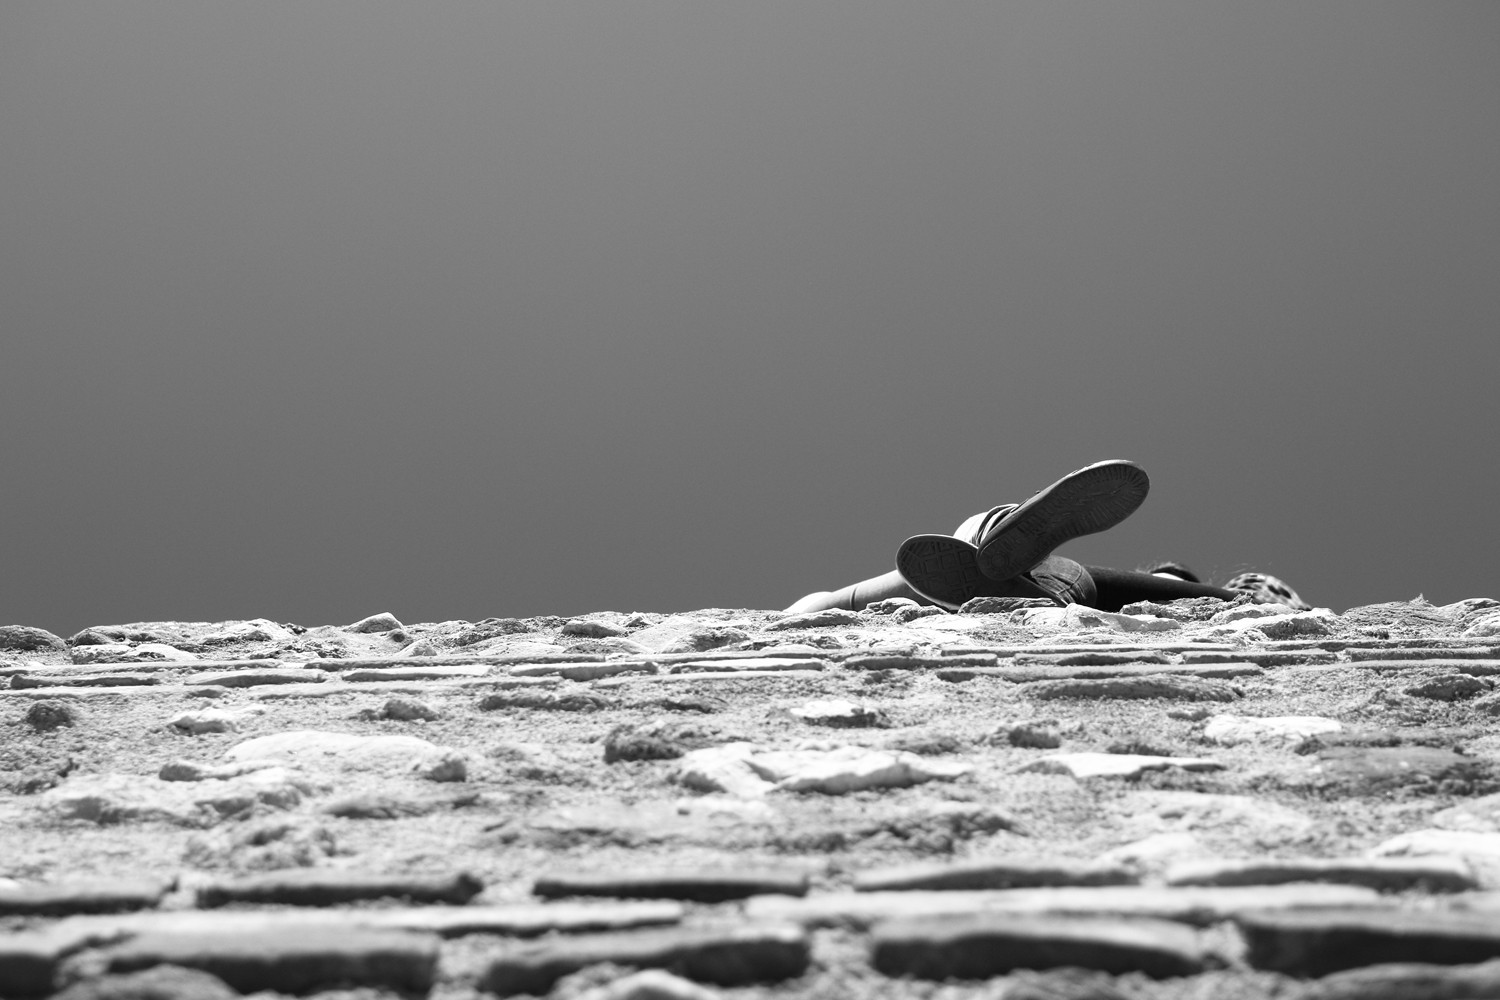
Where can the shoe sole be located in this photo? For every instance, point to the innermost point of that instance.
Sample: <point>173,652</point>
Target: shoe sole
<point>941,568</point>
<point>1093,499</point>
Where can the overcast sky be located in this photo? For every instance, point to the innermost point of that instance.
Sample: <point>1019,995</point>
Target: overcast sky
<point>314,310</point>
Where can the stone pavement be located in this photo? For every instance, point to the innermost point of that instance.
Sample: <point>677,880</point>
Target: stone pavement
<point>1196,799</point>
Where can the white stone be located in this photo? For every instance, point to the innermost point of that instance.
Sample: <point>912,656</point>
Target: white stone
<point>750,771</point>
<point>383,622</point>
<point>1252,820</point>
<point>1229,730</point>
<point>1481,815</point>
<point>341,751</point>
<point>1247,611</point>
<point>206,720</point>
<point>1460,843</point>
<point>1114,765</point>
<point>119,652</point>
<point>1156,852</point>
<point>650,984</point>
<point>118,798</point>
<point>837,712</point>
<point>1078,616</point>
<point>255,630</point>
<point>723,768</point>
<point>1488,625</point>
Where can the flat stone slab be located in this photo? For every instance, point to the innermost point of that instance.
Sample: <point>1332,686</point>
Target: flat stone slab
<point>1189,905</point>
<point>1317,942</point>
<point>912,661</point>
<point>93,896</point>
<point>422,672</point>
<point>584,671</point>
<point>984,945</point>
<point>697,887</point>
<point>1385,874</point>
<point>1115,765</point>
<point>758,663</point>
<point>1151,686</point>
<point>254,678</point>
<point>91,680</point>
<point>325,887</point>
<point>1229,730</point>
<point>737,955</point>
<point>1024,674</point>
<point>1408,981</point>
<point>999,873</point>
<point>513,920</point>
<point>295,960</point>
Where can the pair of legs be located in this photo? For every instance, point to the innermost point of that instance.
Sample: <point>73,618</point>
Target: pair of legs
<point>1006,552</point>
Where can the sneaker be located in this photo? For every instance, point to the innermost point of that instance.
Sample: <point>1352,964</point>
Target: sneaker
<point>1267,590</point>
<point>1093,499</point>
<point>1176,571</point>
<point>945,570</point>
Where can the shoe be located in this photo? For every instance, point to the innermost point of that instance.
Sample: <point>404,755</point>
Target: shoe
<point>1093,499</point>
<point>1176,571</point>
<point>941,568</point>
<point>945,570</point>
<point>1267,589</point>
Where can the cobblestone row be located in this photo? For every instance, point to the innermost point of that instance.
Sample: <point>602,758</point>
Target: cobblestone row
<point>1178,801</point>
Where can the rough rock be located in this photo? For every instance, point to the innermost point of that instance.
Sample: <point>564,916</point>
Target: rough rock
<point>24,637</point>
<point>1115,765</point>
<point>840,713</point>
<point>593,628</point>
<point>341,751</point>
<point>47,715</point>
<point>108,799</point>
<point>746,770</point>
<point>162,982</point>
<point>1450,687</point>
<point>383,622</point>
<point>1229,730</point>
<point>816,619</point>
<point>206,720</point>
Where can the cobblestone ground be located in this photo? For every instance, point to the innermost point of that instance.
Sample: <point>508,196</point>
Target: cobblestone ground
<point>1197,799</point>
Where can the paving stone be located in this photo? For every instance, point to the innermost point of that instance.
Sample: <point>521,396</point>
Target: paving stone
<point>1115,765</point>
<point>1408,981</point>
<point>1384,874</point>
<point>840,713</point>
<point>572,701</point>
<point>109,799</point>
<point>1218,671</point>
<point>24,637</point>
<point>42,680</point>
<point>103,895</point>
<point>392,675</point>
<point>1420,653</point>
<point>163,982</point>
<point>762,663</point>
<point>301,960</point>
<point>1093,658</point>
<point>1200,906</point>
<point>29,960</point>
<point>206,720</point>
<point>326,887</point>
<point>750,771</point>
<point>383,622</point>
<point>1229,730</point>
<point>392,754</point>
<point>712,676</point>
<point>253,678</point>
<point>1317,942</point>
<point>649,984</point>
<point>730,956</point>
<point>1263,658</point>
<point>816,619</point>
<point>584,671</point>
<point>985,945</point>
<point>1453,687</point>
<point>1371,769</point>
<point>523,920</point>
<point>692,886</point>
<point>912,661</point>
<point>1163,686</point>
<point>1000,873</point>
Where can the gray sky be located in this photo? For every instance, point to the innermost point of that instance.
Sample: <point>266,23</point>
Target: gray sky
<point>313,310</point>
